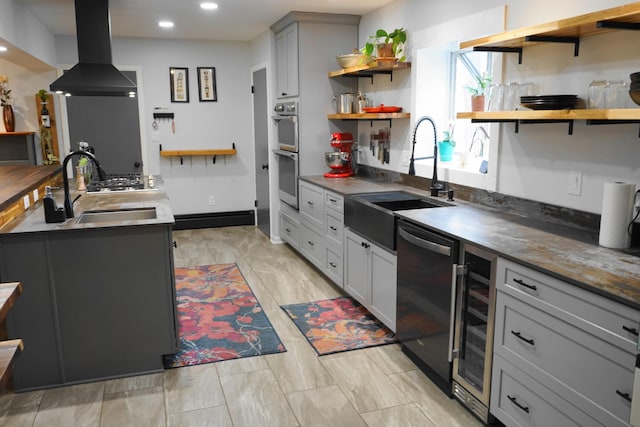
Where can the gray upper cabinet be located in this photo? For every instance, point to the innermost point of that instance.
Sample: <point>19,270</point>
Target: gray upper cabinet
<point>287,61</point>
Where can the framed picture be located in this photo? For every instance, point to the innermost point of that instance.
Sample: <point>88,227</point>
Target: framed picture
<point>179,84</point>
<point>207,84</point>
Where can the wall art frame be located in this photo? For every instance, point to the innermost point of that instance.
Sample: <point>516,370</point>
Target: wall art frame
<point>179,83</point>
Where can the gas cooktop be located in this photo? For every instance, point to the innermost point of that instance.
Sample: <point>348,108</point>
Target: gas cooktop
<point>122,182</point>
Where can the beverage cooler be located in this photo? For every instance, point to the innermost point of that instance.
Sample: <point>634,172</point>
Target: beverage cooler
<point>473,340</point>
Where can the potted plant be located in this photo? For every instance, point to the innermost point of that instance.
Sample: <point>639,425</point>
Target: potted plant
<point>478,92</point>
<point>387,45</point>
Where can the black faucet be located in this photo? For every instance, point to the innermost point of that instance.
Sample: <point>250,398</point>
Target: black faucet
<point>436,187</point>
<point>68,204</point>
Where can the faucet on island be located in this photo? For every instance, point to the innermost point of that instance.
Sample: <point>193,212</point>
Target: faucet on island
<point>436,187</point>
<point>68,204</point>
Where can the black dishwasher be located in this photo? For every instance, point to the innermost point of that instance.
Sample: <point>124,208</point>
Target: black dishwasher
<point>426,300</point>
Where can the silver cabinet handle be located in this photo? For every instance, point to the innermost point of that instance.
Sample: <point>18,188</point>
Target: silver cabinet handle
<point>430,246</point>
<point>452,314</point>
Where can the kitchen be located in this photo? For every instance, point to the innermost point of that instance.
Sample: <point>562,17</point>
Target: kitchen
<point>530,165</point>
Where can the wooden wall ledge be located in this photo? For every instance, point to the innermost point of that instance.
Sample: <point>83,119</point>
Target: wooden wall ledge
<point>8,352</point>
<point>9,293</point>
<point>208,152</point>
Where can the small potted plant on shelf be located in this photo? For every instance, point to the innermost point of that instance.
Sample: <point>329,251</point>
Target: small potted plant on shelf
<point>387,45</point>
<point>478,92</point>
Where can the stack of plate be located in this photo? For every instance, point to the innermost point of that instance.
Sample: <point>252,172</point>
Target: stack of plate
<point>549,102</point>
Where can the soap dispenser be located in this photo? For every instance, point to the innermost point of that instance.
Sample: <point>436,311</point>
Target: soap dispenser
<point>52,213</point>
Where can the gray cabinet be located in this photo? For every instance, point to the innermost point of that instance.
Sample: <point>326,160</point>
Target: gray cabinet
<point>560,340</point>
<point>98,303</point>
<point>370,277</point>
<point>287,61</point>
<point>321,229</point>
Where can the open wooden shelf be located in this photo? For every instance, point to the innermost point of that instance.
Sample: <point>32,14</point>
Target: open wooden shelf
<point>17,133</point>
<point>631,114</point>
<point>621,17</point>
<point>214,152</point>
<point>8,352</point>
<point>369,116</point>
<point>370,69</point>
<point>9,293</point>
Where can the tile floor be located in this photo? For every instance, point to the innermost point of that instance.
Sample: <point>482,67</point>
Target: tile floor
<point>371,387</point>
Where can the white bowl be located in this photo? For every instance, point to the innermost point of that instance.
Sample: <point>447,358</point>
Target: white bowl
<point>350,60</point>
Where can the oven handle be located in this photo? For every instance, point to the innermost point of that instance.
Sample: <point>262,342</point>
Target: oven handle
<point>286,153</point>
<point>278,118</point>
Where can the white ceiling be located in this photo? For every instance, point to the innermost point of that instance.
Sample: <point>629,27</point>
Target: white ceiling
<point>238,20</point>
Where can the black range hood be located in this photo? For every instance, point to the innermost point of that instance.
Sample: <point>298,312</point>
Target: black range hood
<point>94,74</point>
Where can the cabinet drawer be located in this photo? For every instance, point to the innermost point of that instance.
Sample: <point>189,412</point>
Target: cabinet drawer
<point>566,355</point>
<point>519,400</point>
<point>312,205</point>
<point>312,246</point>
<point>290,231</point>
<point>334,201</point>
<point>615,322</point>
<point>333,264</point>
<point>335,228</point>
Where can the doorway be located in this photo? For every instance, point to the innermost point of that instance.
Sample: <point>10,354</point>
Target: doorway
<point>111,125</point>
<point>261,143</point>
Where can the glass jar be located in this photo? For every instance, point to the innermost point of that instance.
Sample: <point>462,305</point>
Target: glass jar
<point>597,94</point>
<point>617,95</point>
<point>496,97</point>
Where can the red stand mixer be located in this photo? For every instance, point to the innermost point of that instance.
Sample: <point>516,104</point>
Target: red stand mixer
<point>340,160</point>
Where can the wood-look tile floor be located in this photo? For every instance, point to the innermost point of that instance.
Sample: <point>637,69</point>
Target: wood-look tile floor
<point>377,386</point>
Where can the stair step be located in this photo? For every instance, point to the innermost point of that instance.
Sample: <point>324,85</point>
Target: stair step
<point>9,292</point>
<point>8,351</point>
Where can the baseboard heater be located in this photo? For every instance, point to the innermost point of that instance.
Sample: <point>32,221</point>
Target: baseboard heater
<point>213,220</point>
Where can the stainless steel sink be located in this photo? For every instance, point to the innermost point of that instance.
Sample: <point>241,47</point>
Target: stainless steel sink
<point>120,215</point>
<point>371,214</point>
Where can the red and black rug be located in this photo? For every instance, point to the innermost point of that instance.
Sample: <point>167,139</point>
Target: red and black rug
<point>338,324</point>
<point>219,317</point>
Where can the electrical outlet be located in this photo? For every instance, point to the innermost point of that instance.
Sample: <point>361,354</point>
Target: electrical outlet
<point>406,157</point>
<point>35,195</point>
<point>155,136</point>
<point>26,202</point>
<point>212,200</point>
<point>575,183</point>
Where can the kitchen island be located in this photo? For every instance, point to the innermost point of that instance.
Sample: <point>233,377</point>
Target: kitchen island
<point>98,296</point>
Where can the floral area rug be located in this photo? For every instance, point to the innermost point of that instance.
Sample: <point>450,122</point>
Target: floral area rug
<point>338,324</point>
<point>219,317</point>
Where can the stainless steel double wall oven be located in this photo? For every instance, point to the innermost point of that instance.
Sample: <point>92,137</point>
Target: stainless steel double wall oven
<point>286,121</point>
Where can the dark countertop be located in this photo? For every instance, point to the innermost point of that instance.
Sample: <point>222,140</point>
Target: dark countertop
<point>566,254</point>
<point>32,221</point>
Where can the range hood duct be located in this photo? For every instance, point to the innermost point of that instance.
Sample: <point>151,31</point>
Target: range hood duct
<point>94,74</point>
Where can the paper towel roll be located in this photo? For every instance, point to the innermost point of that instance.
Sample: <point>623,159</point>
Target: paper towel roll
<point>617,211</point>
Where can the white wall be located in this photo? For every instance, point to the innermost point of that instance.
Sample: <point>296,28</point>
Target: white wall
<point>199,125</point>
<point>535,163</point>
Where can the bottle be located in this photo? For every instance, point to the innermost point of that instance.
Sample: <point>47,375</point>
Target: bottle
<point>44,116</point>
<point>52,213</point>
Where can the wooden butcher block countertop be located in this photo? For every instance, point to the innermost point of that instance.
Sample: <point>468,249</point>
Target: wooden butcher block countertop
<point>16,182</point>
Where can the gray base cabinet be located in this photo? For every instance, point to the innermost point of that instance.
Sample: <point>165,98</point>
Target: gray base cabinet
<point>370,277</point>
<point>321,229</point>
<point>97,303</point>
<point>561,351</point>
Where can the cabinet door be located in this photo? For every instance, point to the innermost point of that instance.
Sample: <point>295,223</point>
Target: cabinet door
<point>383,286</point>
<point>312,246</point>
<point>287,61</point>
<point>356,267</point>
<point>290,231</point>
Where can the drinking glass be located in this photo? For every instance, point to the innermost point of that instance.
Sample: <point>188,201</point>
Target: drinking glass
<point>496,97</point>
<point>617,94</point>
<point>512,96</point>
<point>597,94</point>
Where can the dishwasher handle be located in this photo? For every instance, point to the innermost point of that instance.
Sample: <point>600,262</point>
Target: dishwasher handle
<point>424,244</point>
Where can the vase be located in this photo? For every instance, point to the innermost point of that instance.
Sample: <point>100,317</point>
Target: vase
<point>445,150</point>
<point>9,118</point>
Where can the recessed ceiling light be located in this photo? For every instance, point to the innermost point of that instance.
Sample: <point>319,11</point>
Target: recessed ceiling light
<point>166,24</point>
<point>3,49</point>
<point>209,6</point>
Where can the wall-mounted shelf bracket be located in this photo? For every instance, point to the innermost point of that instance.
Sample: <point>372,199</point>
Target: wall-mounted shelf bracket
<point>575,41</point>
<point>502,49</point>
<point>612,122</point>
<point>618,25</point>
<point>570,122</point>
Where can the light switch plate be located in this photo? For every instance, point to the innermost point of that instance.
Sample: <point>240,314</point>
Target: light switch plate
<point>575,183</point>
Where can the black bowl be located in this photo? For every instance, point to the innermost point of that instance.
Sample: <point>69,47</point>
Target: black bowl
<point>635,96</point>
<point>634,85</point>
<point>635,76</point>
